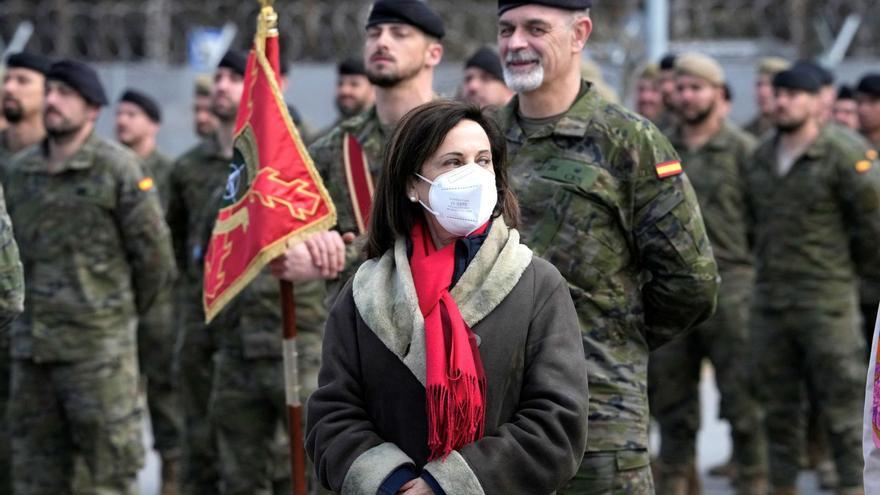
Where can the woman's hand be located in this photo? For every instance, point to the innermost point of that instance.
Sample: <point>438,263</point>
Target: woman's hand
<point>416,487</point>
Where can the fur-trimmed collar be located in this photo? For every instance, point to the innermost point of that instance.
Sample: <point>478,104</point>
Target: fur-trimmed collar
<point>385,295</point>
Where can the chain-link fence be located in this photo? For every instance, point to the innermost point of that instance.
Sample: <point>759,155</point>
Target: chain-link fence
<point>321,30</point>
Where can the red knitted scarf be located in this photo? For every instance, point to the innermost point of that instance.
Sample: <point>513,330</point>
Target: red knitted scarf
<point>456,382</point>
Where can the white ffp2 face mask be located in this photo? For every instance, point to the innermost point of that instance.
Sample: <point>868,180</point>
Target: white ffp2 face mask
<point>463,199</point>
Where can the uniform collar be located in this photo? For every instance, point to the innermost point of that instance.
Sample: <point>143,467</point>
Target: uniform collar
<point>574,123</point>
<point>81,160</point>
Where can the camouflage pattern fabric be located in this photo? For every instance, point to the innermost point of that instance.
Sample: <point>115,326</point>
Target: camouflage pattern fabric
<point>326,152</point>
<point>156,336</point>
<point>85,410</point>
<point>96,253</point>
<point>612,473</point>
<point>195,179</point>
<point>716,171</point>
<point>95,250</point>
<point>816,229</point>
<point>631,245</point>
<point>11,305</point>
<point>759,126</point>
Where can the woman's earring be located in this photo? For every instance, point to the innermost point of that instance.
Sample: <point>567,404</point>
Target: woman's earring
<point>413,199</point>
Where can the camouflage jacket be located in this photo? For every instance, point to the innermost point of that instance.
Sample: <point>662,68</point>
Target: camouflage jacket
<point>193,183</point>
<point>759,126</point>
<point>158,167</point>
<point>326,152</point>
<point>716,171</point>
<point>631,245</point>
<point>11,275</point>
<point>818,226</point>
<point>95,251</point>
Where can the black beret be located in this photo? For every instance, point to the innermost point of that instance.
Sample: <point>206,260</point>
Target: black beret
<point>505,5</point>
<point>667,62</point>
<point>845,92</point>
<point>353,66</point>
<point>870,85</point>
<point>235,60</point>
<point>30,61</point>
<point>798,78</point>
<point>81,78</point>
<point>413,12</point>
<point>825,76</point>
<point>485,58</point>
<point>147,104</point>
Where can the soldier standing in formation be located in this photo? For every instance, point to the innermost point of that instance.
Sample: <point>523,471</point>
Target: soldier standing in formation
<point>23,94</point>
<point>768,67</point>
<point>354,93</point>
<point>138,118</point>
<point>401,50</point>
<point>604,199</point>
<point>195,178</point>
<point>483,82</point>
<point>204,120</point>
<point>845,111</point>
<point>868,98</point>
<point>74,369</point>
<point>649,100</point>
<point>814,198</point>
<point>714,153</point>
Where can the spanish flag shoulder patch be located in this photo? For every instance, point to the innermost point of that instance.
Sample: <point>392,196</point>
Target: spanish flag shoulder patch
<point>668,169</point>
<point>145,184</point>
<point>863,166</point>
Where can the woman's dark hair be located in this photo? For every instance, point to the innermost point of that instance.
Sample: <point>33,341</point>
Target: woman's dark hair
<point>416,138</point>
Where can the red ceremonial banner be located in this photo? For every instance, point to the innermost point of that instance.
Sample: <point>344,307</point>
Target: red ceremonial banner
<point>274,196</point>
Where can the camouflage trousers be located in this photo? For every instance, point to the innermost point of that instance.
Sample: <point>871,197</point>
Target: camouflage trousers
<point>194,368</point>
<point>156,337</point>
<point>5,450</point>
<point>248,411</point>
<point>88,410</point>
<point>674,373</point>
<point>823,344</point>
<point>625,472</point>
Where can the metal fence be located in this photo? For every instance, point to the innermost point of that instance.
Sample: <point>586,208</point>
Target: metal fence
<point>322,30</point>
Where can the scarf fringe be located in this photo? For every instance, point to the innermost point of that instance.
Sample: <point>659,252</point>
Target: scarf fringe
<point>455,415</point>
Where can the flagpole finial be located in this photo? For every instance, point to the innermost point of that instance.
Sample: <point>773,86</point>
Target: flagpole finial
<point>267,24</point>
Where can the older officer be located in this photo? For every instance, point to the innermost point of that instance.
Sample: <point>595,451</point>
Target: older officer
<point>604,199</point>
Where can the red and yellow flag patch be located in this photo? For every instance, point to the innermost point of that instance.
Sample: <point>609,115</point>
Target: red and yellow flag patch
<point>145,184</point>
<point>668,169</point>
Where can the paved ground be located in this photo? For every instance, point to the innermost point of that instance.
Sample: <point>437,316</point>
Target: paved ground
<point>713,448</point>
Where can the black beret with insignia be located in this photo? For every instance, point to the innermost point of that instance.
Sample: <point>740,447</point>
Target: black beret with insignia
<point>147,104</point>
<point>825,76</point>
<point>81,77</point>
<point>412,12</point>
<point>870,85</point>
<point>30,61</point>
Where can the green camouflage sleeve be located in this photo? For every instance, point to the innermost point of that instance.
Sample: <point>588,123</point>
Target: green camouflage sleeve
<point>11,274</point>
<point>176,216</point>
<point>672,244</point>
<point>145,236</point>
<point>860,194</point>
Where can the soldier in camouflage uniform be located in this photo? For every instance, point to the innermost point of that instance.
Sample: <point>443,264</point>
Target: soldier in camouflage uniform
<point>815,202</point>
<point>401,50</point>
<point>194,181</point>
<point>248,406</point>
<point>138,118</point>
<point>96,254</point>
<point>11,305</point>
<point>714,154</point>
<point>604,199</point>
<point>23,93</point>
<point>764,121</point>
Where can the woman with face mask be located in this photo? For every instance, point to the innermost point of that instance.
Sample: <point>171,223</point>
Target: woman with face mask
<point>453,361</point>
